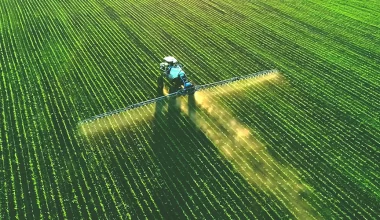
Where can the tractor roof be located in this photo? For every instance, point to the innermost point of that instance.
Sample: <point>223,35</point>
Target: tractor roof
<point>170,59</point>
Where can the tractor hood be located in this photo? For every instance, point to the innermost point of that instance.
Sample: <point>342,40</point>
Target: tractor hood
<point>175,72</point>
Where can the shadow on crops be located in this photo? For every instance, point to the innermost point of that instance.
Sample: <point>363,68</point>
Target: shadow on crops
<point>170,164</point>
<point>195,179</point>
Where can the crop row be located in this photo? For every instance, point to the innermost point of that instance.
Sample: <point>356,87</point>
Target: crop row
<point>62,65</point>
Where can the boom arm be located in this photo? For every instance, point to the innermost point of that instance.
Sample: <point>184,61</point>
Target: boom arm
<point>181,92</point>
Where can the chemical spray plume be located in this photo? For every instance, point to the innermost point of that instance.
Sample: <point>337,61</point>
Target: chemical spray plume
<point>238,143</point>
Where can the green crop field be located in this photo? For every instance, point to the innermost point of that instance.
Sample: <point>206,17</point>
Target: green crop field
<point>302,142</point>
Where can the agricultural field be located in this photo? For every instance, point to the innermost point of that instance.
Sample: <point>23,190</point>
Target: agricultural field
<point>301,142</point>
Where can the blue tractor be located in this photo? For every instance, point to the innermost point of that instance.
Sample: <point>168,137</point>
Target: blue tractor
<point>173,71</point>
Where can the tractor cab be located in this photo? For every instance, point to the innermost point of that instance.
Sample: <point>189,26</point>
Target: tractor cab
<point>168,63</point>
<point>172,69</point>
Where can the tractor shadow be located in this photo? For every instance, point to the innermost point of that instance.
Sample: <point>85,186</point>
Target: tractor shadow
<point>174,168</point>
<point>195,179</point>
